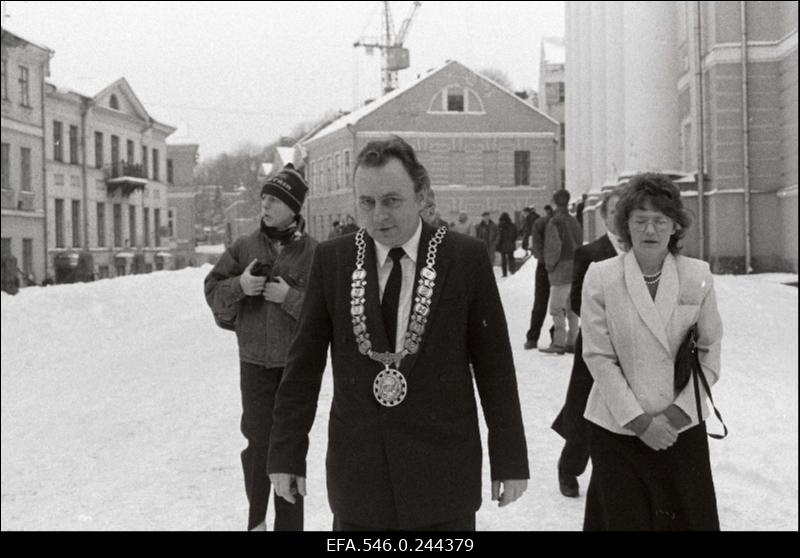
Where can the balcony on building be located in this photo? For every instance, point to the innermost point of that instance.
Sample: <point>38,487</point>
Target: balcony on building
<point>125,177</point>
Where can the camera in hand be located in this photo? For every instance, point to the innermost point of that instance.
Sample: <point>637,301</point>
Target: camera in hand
<point>261,269</point>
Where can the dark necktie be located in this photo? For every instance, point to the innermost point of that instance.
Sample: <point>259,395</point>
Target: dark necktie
<point>391,296</point>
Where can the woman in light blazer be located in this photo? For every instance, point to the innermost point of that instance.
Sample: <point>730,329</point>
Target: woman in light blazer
<point>649,450</point>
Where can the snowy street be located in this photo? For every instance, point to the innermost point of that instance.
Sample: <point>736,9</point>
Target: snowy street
<point>120,411</point>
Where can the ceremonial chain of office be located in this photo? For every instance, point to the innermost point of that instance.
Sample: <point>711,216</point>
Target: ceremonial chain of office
<point>390,386</point>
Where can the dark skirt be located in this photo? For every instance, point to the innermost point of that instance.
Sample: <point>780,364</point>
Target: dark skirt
<point>635,488</point>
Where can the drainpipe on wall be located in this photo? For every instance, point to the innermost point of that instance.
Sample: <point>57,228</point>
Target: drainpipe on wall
<point>86,105</point>
<point>45,70</point>
<point>748,268</point>
<point>701,160</point>
<point>353,155</point>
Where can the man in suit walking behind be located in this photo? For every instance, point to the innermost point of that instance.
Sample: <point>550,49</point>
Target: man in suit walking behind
<point>406,309</point>
<point>570,423</point>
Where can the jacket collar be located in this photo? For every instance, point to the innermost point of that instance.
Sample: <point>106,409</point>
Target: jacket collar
<point>656,314</point>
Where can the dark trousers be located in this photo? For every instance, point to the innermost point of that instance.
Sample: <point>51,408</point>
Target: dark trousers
<point>574,457</point>
<point>463,524</point>
<point>635,488</point>
<point>541,297</point>
<point>258,385</point>
<point>507,263</point>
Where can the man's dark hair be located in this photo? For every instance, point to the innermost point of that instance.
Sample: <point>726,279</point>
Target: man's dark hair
<point>549,210</point>
<point>561,198</point>
<point>607,198</point>
<point>336,223</point>
<point>377,154</point>
<point>652,191</point>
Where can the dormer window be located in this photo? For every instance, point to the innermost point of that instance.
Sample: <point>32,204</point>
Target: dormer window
<point>113,102</point>
<point>456,99</point>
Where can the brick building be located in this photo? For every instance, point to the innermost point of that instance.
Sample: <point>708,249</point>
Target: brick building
<point>484,147</point>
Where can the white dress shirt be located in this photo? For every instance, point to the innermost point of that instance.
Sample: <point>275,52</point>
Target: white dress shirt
<point>409,267</point>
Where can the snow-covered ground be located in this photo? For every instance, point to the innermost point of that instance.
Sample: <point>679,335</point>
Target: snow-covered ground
<point>120,411</point>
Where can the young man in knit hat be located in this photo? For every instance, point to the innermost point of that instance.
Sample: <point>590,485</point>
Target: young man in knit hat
<point>258,286</point>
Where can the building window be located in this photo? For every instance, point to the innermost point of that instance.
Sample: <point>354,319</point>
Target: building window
<point>76,223</point>
<point>347,177</point>
<point>171,222</point>
<point>157,227</point>
<point>6,167</point>
<point>144,162</point>
<point>25,166</point>
<point>98,150</point>
<point>146,225</point>
<point>5,80</point>
<point>338,170</point>
<point>113,102</point>
<point>27,257</point>
<point>24,87</point>
<point>5,246</point>
<point>456,99</point>
<point>59,223</point>
<point>58,141</point>
<point>73,145</point>
<point>117,225</point>
<point>115,154</point>
<point>328,172</point>
<point>132,224</point>
<point>561,92</point>
<point>75,181</point>
<point>101,224</point>
<point>170,176</point>
<point>58,179</point>
<point>522,167</point>
<point>563,137</point>
<point>129,152</point>
<point>156,162</point>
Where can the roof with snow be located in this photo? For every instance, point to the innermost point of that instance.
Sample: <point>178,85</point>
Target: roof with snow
<point>553,50</point>
<point>358,114</point>
<point>10,38</point>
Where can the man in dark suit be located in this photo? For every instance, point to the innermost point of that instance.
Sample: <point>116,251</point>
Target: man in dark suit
<point>406,309</point>
<point>570,423</point>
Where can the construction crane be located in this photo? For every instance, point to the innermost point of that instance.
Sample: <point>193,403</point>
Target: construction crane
<point>394,56</point>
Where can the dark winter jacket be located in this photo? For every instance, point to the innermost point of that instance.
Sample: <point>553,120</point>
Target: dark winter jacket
<point>537,237</point>
<point>487,232</point>
<point>562,236</point>
<point>507,237</point>
<point>263,329</point>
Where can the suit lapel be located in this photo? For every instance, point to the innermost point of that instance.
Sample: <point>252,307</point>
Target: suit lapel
<point>642,300</point>
<point>667,293</point>
<point>441,266</point>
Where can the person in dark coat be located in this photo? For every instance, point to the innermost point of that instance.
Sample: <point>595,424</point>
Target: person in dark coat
<point>257,289</point>
<point>529,217</point>
<point>506,244</point>
<point>541,295</point>
<point>486,231</point>
<point>570,423</point>
<point>404,444</point>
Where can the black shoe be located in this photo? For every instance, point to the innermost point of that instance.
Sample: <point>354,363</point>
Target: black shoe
<point>568,484</point>
<point>530,344</point>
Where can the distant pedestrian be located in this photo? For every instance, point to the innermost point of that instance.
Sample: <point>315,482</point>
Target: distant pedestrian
<point>579,209</point>
<point>562,237</point>
<point>486,231</point>
<point>336,230</point>
<point>349,226</point>
<point>529,217</point>
<point>542,283</point>
<point>463,225</point>
<point>506,244</point>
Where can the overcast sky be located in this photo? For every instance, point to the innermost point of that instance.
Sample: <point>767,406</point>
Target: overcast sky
<point>250,71</point>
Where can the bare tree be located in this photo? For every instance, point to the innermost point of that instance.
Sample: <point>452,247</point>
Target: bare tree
<point>498,76</point>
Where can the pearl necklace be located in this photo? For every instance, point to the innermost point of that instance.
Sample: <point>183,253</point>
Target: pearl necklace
<point>390,386</point>
<point>652,279</point>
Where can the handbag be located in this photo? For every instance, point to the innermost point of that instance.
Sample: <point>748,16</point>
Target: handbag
<point>687,364</point>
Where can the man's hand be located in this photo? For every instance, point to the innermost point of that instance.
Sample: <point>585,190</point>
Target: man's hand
<point>660,434</point>
<point>512,489</point>
<point>276,291</point>
<point>287,485</point>
<point>251,285</point>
